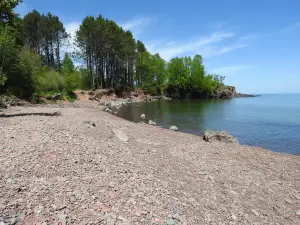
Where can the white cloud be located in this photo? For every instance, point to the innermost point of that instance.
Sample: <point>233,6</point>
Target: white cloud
<point>230,70</point>
<point>206,46</point>
<point>71,29</point>
<point>136,25</point>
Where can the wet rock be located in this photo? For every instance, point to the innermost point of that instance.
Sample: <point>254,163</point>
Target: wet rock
<point>219,136</point>
<point>150,122</point>
<point>143,116</point>
<point>173,128</point>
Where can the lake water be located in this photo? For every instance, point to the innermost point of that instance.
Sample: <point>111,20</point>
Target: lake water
<point>269,121</point>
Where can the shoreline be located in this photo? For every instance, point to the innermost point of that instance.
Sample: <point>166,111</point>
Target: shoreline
<point>88,165</point>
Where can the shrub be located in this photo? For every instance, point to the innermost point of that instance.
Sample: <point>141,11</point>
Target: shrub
<point>51,81</point>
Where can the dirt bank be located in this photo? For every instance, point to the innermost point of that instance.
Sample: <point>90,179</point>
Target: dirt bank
<point>90,167</point>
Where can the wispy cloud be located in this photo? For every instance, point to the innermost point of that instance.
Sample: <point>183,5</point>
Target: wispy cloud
<point>291,28</point>
<point>230,70</point>
<point>207,46</point>
<point>136,25</point>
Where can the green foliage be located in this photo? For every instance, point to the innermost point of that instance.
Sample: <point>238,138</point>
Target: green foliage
<point>6,7</point>
<point>72,81</point>
<point>30,59</point>
<point>51,81</point>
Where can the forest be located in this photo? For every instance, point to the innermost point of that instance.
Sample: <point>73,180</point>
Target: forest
<point>34,60</point>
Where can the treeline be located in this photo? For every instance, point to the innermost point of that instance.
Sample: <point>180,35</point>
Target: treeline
<point>33,59</point>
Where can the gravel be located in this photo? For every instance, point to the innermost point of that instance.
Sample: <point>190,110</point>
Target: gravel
<point>90,167</point>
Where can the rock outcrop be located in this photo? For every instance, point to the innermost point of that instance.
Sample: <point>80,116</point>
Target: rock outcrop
<point>6,101</point>
<point>227,92</point>
<point>219,136</point>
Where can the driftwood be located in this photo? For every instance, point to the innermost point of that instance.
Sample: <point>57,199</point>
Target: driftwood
<point>58,113</point>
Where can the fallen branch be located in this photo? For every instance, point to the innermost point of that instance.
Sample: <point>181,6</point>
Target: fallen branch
<point>58,113</point>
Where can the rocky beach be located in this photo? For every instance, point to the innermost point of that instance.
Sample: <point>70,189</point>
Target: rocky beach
<point>86,166</point>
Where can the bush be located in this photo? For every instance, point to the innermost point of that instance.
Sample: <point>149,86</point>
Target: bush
<point>50,81</point>
<point>72,81</point>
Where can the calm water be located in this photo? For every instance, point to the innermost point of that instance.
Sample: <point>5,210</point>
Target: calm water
<point>270,121</point>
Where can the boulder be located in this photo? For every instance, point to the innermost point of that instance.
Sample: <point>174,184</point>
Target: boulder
<point>143,116</point>
<point>150,122</point>
<point>219,136</point>
<point>173,128</point>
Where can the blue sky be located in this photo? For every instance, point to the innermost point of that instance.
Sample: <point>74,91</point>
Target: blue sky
<point>255,44</point>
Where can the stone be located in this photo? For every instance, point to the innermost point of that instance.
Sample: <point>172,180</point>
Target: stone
<point>121,135</point>
<point>298,212</point>
<point>288,201</point>
<point>150,122</point>
<point>219,136</point>
<point>233,217</point>
<point>170,222</point>
<point>90,123</point>
<point>143,116</point>
<point>14,221</point>
<point>173,128</point>
<point>255,212</point>
<point>62,218</point>
<point>107,110</point>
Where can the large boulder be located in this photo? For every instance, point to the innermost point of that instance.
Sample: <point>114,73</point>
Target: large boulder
<point>219,136</point>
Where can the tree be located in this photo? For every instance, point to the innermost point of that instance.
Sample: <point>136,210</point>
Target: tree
<point>8,52</point>
<point>67,65</point>
<point>6,7</point>
<point>46,35</point>
<point>197,72</point>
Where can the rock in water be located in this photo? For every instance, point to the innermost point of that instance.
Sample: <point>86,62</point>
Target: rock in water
<point>143,116</point>
<point>151,122</point>
<point>219,136</point>
<point>173,128</point>
<point>121,135</point>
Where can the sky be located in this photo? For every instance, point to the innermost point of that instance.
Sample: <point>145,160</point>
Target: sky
<point>254,44</point>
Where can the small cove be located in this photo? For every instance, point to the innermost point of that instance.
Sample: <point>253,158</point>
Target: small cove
<point>269,121</point>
